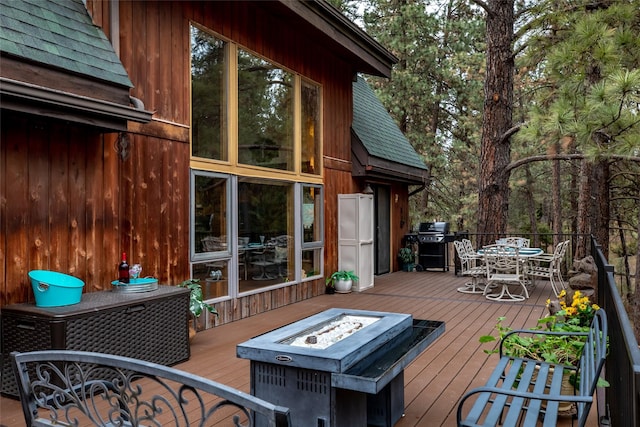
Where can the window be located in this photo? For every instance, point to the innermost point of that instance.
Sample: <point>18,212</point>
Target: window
<point>256,170</point>
<point>312,229</point>
<point>265,115</point>
<point>312,215</point>
<point>265,226</point>
<point>310,129</point>
<point>208,96</point>
<point>210,247</point>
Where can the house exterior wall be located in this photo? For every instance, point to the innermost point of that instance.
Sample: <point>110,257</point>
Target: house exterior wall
<point>75,198</point>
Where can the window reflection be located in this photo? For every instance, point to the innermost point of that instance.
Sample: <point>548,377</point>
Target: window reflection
<point>265,227</point>
<point>214,278</point>
<point>310,129</point>
<point>311,263</point>
<point>208,95</point>
<point>210,214</point>
<point>311,214</point>
<point>265,113</point>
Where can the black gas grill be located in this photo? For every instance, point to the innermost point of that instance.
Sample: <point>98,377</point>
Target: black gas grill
<point>432,239</point>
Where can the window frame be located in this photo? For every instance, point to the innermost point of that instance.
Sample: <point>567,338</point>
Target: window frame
<point>232,171</point>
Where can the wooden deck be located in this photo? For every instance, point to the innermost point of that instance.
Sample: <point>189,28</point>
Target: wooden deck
<point>434,382</point>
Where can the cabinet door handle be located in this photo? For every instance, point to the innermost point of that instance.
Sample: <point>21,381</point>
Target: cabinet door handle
<point>136,308</point>
<point>30,326</point>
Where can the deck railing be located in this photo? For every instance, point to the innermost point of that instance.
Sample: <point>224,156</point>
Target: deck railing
<point>622,368</point>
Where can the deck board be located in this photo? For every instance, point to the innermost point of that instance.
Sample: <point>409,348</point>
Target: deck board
<point>434,382</point>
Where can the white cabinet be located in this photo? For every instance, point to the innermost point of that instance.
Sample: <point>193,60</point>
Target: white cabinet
<point>355,237</point>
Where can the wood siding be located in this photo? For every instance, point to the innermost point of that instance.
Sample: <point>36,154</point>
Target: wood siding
<point>71,202</point>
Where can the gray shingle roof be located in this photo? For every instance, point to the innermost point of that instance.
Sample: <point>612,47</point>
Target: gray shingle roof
<point>59,33</point>
<point>378,132</point>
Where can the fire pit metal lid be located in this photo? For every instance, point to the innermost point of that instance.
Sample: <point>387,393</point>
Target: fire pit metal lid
<point>271,347</point>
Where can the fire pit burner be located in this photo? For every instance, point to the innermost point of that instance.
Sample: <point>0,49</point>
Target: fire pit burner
<point>332,332</point>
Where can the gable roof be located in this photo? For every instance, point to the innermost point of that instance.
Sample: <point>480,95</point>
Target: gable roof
<point>57,63</point>
<point>380,148</point>
<point>60,34</point>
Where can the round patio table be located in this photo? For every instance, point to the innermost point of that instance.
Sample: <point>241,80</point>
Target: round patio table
<point>507,278</point>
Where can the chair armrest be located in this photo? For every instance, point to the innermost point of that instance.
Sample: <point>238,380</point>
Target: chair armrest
<point>518,394</point>
<point>542,257</point>
<point>528,395</point>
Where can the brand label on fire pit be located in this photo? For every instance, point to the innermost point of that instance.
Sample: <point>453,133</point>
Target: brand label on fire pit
<point>332,332</point>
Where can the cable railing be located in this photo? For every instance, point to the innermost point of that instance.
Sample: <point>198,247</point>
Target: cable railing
<point>622,368</point>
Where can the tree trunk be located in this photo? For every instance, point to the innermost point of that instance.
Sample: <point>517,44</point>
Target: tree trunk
<point>495,152</point>
<point>531,207</point>
<point>557,206</point>
<point>602,215</point>
<point>573,197</point>
<point>584,211</point>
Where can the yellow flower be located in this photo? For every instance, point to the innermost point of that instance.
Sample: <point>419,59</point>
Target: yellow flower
<point>596,307</point>
<point>562,294</point>
<point>583,307</point>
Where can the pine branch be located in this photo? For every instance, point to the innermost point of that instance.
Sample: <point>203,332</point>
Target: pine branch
<point>574,156</point>
<point>483,5</point>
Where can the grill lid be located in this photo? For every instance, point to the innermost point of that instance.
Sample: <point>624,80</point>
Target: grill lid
<point>438,227</point>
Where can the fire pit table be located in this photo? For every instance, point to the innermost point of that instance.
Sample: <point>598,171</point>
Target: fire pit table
<point>340,367</point>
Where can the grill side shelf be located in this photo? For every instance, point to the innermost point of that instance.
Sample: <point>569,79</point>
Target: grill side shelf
<point>373,373</point>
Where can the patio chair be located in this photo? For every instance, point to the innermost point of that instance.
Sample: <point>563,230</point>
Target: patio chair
<point>552,269</point>
<point>504,268</point>
<point>470,267</point>
<point>281,259</point>
<point>243,242</point>
<point>78,388</point>
<point>520,242</point>
<point>262,257</point>
<point>468,246</point>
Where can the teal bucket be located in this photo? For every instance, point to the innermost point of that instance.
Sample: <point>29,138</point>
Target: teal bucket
<point>53,289</point>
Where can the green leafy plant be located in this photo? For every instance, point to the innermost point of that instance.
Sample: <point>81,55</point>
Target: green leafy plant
<point>341,275</point>
<point>556,347</point>
<point>406,255</point>
<point>196,300</point>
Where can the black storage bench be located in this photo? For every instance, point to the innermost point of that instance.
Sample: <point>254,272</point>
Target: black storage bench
<point>524,391</point>
<point>152,326</point>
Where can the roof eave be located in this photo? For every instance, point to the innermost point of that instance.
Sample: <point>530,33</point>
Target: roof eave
<point>368,166</point>
<point>21,96</point>
<point>327,19</point>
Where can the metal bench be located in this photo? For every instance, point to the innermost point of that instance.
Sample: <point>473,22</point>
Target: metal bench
<point>524,392</point>
<point>74,388</point>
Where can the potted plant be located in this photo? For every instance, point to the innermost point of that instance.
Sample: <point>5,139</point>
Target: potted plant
<point>407,258</point>
<point>341,281</point>
<point>197,306</point>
